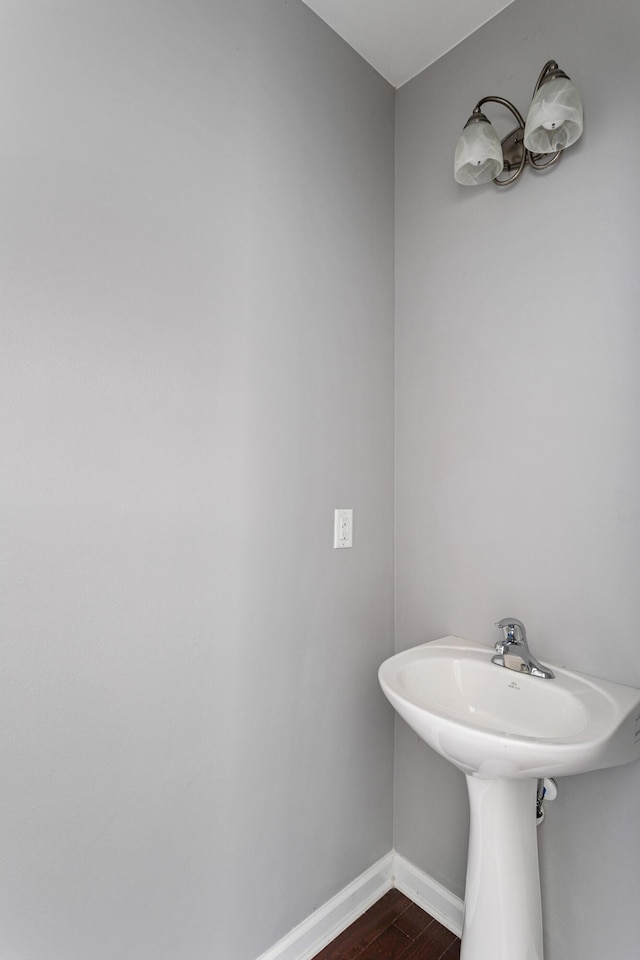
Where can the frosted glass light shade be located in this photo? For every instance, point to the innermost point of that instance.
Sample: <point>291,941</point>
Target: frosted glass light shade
<point>478,157</point>
<point>554,120</point>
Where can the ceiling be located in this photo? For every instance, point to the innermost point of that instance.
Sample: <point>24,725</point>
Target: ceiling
<point>402,37</point>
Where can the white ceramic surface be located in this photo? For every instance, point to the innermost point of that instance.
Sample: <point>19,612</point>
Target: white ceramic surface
<point>493,722</point>
<point>502,902</point>
<point>504,729</point>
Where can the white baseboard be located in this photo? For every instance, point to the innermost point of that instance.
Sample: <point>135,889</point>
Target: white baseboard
<point>325,923</point>
<point>439,902</point>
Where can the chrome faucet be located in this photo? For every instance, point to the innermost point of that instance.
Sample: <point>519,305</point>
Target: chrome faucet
<point>513,650</point>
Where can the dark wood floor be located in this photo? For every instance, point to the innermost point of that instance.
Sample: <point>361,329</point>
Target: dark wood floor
<point>394,928</point>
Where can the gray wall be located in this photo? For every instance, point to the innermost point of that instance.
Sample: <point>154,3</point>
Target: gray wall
<point>197,368</point>
<point>518,428</point>
<point>197,317</point>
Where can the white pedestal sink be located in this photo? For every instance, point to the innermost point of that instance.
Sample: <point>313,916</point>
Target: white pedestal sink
<point>504,730</point>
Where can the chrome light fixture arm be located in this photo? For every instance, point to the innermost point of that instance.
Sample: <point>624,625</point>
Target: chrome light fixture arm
<point>513,148</point>
<point>550,71</point>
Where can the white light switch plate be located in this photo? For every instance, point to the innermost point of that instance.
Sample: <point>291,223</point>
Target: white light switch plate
<point>343,529</point>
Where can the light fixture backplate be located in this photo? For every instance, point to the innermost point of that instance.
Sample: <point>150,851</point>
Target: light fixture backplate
<point>512,148</point>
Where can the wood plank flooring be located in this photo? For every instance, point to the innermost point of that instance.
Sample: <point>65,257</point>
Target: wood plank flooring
<point>394,928</point>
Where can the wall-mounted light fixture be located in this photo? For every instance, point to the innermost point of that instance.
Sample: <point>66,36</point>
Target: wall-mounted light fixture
<point>553,123</point>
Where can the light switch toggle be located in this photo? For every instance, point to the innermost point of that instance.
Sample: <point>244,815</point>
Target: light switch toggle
<point>343,529</point>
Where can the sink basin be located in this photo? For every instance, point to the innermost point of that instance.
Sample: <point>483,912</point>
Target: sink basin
<point>505,730</point>
<point>493,722</point>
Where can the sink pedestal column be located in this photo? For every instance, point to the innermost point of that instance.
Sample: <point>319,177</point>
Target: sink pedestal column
<point>502,909</point>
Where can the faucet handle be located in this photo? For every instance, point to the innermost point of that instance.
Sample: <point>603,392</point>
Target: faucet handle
<point>514,630</point>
